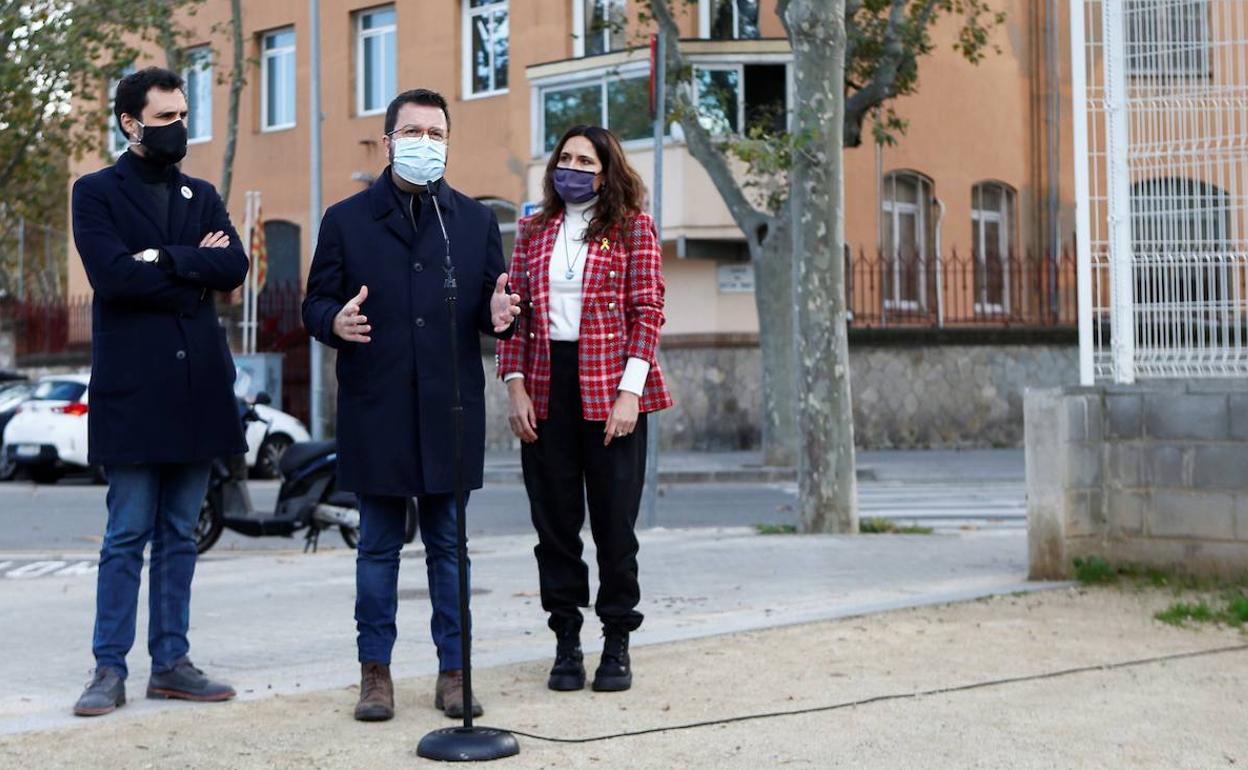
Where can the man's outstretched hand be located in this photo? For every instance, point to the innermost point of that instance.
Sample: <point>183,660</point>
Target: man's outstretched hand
<point>504,307</point>
<point>350,324</point>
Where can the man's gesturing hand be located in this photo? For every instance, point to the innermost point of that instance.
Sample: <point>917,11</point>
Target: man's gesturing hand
<point>504,307</point>
<point>349,324</point>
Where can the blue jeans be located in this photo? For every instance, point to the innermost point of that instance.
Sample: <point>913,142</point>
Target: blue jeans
<point>377,575</point>
<point>160,504</point>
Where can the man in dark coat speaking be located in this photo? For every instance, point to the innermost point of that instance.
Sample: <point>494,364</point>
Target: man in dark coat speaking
<point>155,244</point>
<point>375,293</point>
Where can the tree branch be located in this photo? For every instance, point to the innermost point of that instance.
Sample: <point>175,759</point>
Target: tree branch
<point>237,81</point>
<point>879,88</point>
<point>753,223</point>
<point>20,153</point>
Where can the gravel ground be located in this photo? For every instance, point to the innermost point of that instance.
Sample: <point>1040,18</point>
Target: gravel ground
<point>1182,713</point>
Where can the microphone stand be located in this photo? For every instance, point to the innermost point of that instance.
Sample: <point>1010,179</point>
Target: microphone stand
<point>467,743</point>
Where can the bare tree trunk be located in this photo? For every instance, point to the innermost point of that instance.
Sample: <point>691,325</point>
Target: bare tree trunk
<point>168,40</point>
<point>768,240</point>
<point>773,296</point>
<point>827,498</point>
<point>237,81</point>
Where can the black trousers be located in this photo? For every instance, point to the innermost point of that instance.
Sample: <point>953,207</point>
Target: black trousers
<point>565,468</point>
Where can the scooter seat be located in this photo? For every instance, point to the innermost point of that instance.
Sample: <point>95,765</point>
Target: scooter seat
<point>304,452</point>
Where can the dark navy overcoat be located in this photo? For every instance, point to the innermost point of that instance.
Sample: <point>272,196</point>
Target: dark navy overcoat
<point>162,377</point>
<point>394,392</point>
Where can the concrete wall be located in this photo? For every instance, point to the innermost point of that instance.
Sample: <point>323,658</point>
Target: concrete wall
<point>1154,475</point>
<point>911,395</point>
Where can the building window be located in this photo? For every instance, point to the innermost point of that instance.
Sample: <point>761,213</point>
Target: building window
<point>506,213</point>
<point>906,239</point>
<point>198,77</point>
<point>621,104</point>
<point>117,139</point>
<point>486,47</point>
<point>1167,39</point>
<point>601,26</point>
<point>992,227</point>
<point>277,80</point>
<point>374,60</point>
<point>751,95</point>
<point>1180,232</point>
<point>728,19</point>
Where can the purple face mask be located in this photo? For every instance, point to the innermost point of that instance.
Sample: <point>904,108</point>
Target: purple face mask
<point>574,185</point>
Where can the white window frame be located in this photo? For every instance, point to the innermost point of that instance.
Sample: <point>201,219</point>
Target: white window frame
<point>266,55</point>
<point>892,211</point>
<point>739,68</point>
<point>704,19</point>
<point>980,219</point>
<point>579,24</point>
<point>600,77</point>
<point>361,64</point>
<point>1161,18</point>
<point>195,108</point>
<point>468,18</point>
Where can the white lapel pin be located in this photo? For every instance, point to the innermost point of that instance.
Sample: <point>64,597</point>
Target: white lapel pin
<point>186,192</point>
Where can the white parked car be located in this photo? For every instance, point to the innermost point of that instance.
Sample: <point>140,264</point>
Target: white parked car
<point>48,435</point>
<point>269,438</point>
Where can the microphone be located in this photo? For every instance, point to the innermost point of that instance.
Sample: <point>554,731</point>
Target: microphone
<point>433,188</point>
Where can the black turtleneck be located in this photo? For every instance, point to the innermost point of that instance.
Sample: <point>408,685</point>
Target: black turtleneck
<point>409,203</point>
<point>157,180</point>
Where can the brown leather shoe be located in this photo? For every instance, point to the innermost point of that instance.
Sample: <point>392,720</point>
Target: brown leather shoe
<point>449,697</point>
<point>376,694</point>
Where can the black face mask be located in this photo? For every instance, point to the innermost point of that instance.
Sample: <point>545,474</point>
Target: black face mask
<point>166,144</point>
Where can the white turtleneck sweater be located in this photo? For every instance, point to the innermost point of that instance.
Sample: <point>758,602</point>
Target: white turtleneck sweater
<point>566,294</point>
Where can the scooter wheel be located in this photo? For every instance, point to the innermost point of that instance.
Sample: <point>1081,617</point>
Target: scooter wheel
<point>211,523</point>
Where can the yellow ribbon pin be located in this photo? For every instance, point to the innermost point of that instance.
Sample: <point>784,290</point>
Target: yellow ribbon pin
<point>605,244</point>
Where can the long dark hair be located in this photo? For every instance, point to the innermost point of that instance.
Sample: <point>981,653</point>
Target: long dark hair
<point>620,196</point>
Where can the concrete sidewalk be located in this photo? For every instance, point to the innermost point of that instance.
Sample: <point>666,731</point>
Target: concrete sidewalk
<point>281,623</point>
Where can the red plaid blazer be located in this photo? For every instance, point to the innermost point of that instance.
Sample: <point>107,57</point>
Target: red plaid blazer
<point>621,315</point>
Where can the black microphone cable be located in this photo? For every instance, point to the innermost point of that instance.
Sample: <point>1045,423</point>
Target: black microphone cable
<point>893,697</point>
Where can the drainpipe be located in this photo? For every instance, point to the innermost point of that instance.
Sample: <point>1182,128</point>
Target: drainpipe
<point>940,288</point>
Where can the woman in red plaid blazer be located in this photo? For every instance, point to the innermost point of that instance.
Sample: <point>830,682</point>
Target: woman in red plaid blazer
<point>582,372</point>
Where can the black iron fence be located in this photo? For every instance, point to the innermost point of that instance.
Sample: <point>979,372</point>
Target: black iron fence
<point>955,290</point>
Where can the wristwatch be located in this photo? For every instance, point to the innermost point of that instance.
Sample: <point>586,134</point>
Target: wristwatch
<point>151,256</point>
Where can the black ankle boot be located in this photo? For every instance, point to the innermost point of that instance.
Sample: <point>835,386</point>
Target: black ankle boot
<point>568,673</point>
<point>614,672</point>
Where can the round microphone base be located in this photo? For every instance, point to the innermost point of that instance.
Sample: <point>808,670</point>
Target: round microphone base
<point>468,744</point>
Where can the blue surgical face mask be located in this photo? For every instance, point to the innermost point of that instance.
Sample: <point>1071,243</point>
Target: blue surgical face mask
<point>419,161</point>
<point>574,185</point>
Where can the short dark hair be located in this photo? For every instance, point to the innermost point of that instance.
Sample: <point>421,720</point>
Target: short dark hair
<point>131,96</point>
<point>422,96</point>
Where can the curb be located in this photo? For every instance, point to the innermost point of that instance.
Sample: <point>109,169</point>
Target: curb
<point>765,475</point>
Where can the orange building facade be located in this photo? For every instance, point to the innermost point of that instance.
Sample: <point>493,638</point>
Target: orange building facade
<point>979,173</point>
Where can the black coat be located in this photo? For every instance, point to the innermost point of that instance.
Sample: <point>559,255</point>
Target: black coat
<point>162,377</point>
<point>394,393</point>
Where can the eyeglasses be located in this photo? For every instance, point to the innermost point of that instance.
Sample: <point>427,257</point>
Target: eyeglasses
<point>414,132</point>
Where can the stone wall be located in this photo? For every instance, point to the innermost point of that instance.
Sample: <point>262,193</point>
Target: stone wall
<point>8,350</point>
<point>1153,475</point>
<point>910,391</point>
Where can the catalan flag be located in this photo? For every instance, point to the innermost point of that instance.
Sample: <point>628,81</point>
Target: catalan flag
<point>259,254</point>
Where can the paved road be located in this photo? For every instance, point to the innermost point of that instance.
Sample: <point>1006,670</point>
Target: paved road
<point>947,490</point>
<point>71,516</point>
